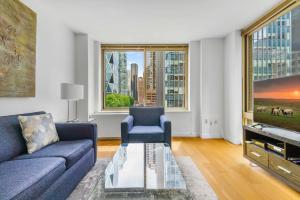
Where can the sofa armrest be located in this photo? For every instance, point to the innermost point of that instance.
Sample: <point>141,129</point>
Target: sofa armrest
<point>126,126</point>
<point>166,126</point>
<point>78,131</point>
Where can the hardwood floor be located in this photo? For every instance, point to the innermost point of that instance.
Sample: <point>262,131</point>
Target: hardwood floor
<point>223,165</point>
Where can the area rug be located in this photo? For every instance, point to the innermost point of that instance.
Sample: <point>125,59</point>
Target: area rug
<point>92,185</point>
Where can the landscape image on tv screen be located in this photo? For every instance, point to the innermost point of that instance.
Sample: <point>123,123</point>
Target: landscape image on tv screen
<point>277,102</point>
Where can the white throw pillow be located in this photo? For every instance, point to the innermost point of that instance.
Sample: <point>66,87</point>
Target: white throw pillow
<point>38,131</point>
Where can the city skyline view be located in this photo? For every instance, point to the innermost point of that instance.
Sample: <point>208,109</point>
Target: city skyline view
<point>129,82</point>
<point>276,48</point>
<point>136,57</point>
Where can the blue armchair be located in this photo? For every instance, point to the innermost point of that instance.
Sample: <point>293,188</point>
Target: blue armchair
<point>146,125</point>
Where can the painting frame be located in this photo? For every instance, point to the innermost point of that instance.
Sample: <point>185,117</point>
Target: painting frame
<point>18,28</point>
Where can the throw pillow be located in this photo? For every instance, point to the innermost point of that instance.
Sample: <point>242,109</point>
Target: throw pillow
<point>38,131</point>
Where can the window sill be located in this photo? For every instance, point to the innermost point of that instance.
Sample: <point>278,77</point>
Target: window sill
<point>110,112</point>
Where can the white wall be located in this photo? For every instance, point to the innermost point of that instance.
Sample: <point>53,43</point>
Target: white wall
<point>184,124</point>
<point>212,63</point>
<point>54,65</point>
<point>86,60</point>
<point>233,88</point>
<point>215,82</point>
<point>194,86</point>
<point>82,69</point>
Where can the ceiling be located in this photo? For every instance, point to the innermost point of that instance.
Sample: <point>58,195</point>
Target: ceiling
<point>155,21</point>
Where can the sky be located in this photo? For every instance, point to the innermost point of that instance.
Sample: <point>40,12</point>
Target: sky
<point>280,88</point>
<point>138,58</point>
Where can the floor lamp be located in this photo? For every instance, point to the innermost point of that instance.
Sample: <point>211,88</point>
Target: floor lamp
<point>72,92</point>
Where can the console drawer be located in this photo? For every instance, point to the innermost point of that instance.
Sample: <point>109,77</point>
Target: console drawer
<point>258,154</point>
<point>285,168</point>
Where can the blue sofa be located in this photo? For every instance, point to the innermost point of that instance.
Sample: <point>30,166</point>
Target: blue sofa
<point>50,173</point>
<point>146,125</point>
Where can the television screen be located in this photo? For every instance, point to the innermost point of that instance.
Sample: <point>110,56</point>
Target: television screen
<point>277,102</point>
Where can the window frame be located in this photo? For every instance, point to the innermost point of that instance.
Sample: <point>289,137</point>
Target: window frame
<point>144,48</point>
<point>247,65</point>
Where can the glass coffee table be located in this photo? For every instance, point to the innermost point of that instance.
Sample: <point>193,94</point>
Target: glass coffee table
<point>138,167</point>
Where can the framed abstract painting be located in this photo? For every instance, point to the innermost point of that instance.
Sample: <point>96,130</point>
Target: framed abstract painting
<point>17,49</point>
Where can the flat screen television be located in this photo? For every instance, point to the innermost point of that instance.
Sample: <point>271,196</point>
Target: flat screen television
<point>277,102</point>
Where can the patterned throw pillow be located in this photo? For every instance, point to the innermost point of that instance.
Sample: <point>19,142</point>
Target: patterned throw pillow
<point>38,131</point>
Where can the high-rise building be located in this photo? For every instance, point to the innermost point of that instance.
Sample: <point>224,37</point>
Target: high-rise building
<point>134,79</point>
<point>129,82</point>
<point>272,50</point>
<point>154,78</point>
<point>116,73</point>
<point>123,76</point>
<point>141,90</point>
<point>111,72</point>
<point>174,79</point>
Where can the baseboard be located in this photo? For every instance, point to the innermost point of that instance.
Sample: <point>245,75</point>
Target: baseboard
<point>108,138</point>
<point>185,134</point>
<point>211,135</point>
<point>233,141</point>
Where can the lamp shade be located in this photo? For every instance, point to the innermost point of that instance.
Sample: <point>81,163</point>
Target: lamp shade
<point>71,91</point>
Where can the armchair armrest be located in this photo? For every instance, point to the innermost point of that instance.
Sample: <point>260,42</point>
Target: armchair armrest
<point>78,131</point>
<point>126,126</point>
<point>166,126</point>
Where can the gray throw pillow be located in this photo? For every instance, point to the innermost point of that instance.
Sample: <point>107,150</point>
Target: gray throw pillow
<point>38,131</point>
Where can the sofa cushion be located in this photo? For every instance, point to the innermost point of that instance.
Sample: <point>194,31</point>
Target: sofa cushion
<point>30,178</point>
<point>146,134</point>
<point>12,142</point>
<point>71,150</point>
<point>146,116</point>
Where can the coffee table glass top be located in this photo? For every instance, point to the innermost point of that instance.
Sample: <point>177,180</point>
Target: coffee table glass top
<point>136,167</point>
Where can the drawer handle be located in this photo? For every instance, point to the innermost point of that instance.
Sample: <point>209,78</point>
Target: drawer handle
<point>284,169</point>
<point>256,154</point>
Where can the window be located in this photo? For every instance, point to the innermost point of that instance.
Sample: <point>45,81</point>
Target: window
<point>271,48</point>
<point>144,76</point>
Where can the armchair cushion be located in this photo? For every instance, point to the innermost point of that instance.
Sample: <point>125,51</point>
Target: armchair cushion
<point>72,151</point>
<point>147,134</point>
<point>146,130</point>
<point>146,116</point>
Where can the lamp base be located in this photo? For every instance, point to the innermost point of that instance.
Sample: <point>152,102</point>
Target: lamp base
<point>73,121</point>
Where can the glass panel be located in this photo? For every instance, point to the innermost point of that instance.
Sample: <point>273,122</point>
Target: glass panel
<point>161,168</point>
<point>126,170</point>
<point>276,68</point>
<point>273,46</point>
<point>124,71</point>
<point>174,79</point>
<point>161,82</point>
<point>138,166</point>
<point>154,78</point>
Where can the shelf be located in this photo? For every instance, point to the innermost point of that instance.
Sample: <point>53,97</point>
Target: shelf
<point>260,147</point>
